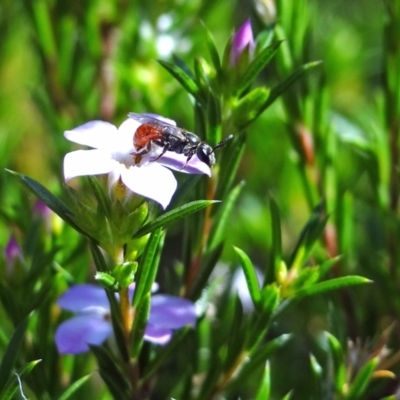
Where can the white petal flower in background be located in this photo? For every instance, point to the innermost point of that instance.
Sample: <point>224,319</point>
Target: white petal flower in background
<point>112,153</point>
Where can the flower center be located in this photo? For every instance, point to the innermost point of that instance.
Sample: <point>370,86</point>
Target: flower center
<point>120,189</point>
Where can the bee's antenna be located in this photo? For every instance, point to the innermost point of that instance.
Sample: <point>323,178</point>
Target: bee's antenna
<point>222,143</point>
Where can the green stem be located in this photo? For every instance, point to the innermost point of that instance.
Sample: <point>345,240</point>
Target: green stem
<point>196,262</point>
<point>131,366</point>
<point>125,312</point>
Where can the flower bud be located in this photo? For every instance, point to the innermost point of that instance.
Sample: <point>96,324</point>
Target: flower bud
<point>266,10</point>
<point>242,44</point>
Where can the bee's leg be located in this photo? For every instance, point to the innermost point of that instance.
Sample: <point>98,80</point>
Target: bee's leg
<point>189,156</point>
<point>138,155</point>
<point>165,149</point>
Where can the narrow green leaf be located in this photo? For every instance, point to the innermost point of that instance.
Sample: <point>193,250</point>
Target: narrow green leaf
<point>222,218</point>
<point>257,357</point>
<point>268,304</point>
<point>141,313</point>
<point>283,306</point>
<point>360,383</point>
<point>249,107</point>
<point>250,275</point>
<point>98,257</point>
<point>45,32</point>
<point>257,65</point>
<point>276,250</point>
<point>200,120</point>
<point>173,215</point>
<point>11,353</point>
<point>306,278</point>
<point>182,77</point>
<point>336,348</point>
<point>213,119</point>
<point>14,381</point>
<point>212,374</point>
<point>317,371</point>
<point>212,48</point>
<point>326,266</point>
<point>200,69</point>
<point>309,235</point>
<point>74,387</point>
<point>67,47</point>
<point>230,162</point>
<point>315,367</point>
<point>235,344</point>
<point>103,202</point>
<point>165,352</point>
<point>269,298</point>
<point>116,317</point>
<point>339,368</point>
<point>185,188</point>
<point>288,396</point>
<point>332,284</point>
<point>264,39</point>
<point>292,78</point>
<point>111,374</point>
<point>148,266</point>
<point>264,387</point>
<point>180,63</point>
<point>285,57</point>
<point>53,202</point>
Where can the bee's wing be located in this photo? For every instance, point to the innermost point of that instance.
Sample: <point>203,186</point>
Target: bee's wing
<point>153,119</point>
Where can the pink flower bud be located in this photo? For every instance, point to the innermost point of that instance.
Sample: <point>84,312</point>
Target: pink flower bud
<point>242,40</point>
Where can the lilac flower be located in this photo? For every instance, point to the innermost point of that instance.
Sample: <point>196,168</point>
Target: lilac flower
<point>41,210</point>
<point>12,251</point>
<point>92,324</point>
<point>242,40</point>
<point>43,213</point>
<point>113,154</point>
<point>12,254</point>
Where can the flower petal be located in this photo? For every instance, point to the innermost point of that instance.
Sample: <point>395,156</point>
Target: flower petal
<point>12,251</point>
<point>87,162</point>
<point>177,162</point>
<point>96,134</point>
<point>157,335</point>
<point>171,312</point>
<point>242,38</point>
<point>73,335</point>
<point>125,135</point>
<point>152,181</point>
<point>80,297</point>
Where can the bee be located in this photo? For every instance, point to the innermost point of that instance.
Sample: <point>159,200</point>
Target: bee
<point>169,137</point>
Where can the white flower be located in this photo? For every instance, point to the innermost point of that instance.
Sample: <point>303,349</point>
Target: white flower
<point>113,154</point>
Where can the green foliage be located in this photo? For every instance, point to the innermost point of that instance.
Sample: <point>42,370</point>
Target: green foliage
<point>73,388</point>
<point>289,250</point>
<point>173,215</point>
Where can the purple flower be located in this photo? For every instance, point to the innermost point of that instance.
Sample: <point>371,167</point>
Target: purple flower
<point>12,251</point>
<point>242,40</point>
<point>12,254</point>
<point>92,324</point>
<point>41,210</point>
